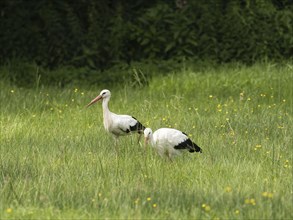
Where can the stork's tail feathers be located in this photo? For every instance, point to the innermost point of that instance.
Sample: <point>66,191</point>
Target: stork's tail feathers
<point>189,145</point>
<point>137,127</point>
<point>140,128</point>
<point>195,148</point>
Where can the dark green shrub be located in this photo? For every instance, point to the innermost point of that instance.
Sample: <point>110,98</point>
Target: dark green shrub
<point>101,34</point>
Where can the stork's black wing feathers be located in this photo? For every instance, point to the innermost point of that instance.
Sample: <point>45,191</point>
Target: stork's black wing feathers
<point>189,145</point>
<point>184,133</point>
<point>137,127</point>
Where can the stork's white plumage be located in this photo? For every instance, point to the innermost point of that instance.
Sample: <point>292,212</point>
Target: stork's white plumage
<point>170,142</point>
<point>118,125</point>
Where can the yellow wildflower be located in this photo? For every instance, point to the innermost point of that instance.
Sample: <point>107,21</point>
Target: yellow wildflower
<point>136,201</point>
<point>250,201</point>
<point>207,208</point>
<point>9,210</point>
<point>258,146</point>
<point>267,195</point>
<point>228,189</point>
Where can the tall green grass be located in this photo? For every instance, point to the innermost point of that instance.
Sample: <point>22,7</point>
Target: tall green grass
<point>57,161</point>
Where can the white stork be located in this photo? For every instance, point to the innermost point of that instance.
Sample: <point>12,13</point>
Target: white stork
<point>169,141</point>
<point>118,125</point>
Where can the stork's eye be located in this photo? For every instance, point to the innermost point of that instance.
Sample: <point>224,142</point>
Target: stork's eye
<point>103,93</point>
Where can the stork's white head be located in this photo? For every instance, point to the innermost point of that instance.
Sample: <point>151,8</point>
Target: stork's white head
<point>104,94</point>
<point>147,134</point>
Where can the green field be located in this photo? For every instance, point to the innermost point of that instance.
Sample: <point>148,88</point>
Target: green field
<point>57,161</point>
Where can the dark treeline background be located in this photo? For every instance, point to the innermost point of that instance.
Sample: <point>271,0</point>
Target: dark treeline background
<point>99,34</point>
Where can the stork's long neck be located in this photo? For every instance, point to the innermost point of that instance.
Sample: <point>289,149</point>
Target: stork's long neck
<point>106,113</point>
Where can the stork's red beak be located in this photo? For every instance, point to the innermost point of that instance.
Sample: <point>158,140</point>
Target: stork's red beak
<point>94,100</point>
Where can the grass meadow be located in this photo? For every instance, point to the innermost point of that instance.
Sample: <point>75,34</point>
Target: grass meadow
<point>58,162</point>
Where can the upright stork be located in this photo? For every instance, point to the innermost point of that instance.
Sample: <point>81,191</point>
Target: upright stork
<point>169,141</point>
<point>118,125</point>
